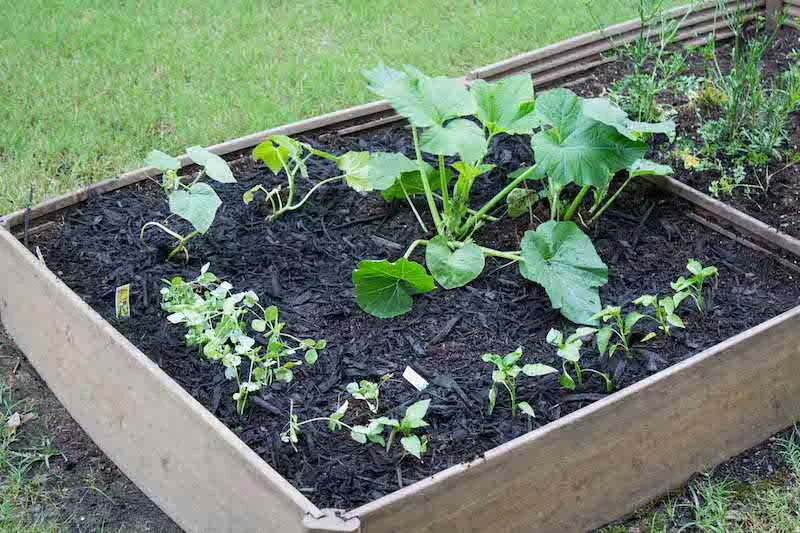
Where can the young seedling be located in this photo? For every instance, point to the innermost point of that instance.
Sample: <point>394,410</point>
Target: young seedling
<point>197,202</point>
<point>217,320</point>
<point>693,286</point>
<point>368,391</point>
<point>291,434</point>
<point>570,351</point>
<point>620,327</point>
<point>664,309</point>
<point>282,153</point>
<point>505,374</point>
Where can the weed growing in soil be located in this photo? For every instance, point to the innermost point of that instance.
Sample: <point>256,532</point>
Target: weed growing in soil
<point>505,374</point>
<point>282,153</point>
<point>693,286</point>
<point>217,320</point>
<point>197,203</point>
<point>569,350</point>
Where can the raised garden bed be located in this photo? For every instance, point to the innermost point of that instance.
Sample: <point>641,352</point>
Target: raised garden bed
<point>589,455</point>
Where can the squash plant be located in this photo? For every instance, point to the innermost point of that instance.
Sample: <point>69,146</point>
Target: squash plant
<point>197,203</point>
<point>579,141</point>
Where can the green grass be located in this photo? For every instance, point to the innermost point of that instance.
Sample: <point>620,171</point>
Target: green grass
<point>23,474</point>
<point>88,87</point>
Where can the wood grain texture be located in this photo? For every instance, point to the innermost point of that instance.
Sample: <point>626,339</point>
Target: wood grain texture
<point>615,455</point>
<point>170,446</point>
<point>741,220</point>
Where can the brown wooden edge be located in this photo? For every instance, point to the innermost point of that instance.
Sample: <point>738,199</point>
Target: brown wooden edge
<point>610,458</point>
<point>741,220</point>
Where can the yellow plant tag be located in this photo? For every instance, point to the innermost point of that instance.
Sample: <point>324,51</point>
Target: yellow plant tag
<point>122,300</point>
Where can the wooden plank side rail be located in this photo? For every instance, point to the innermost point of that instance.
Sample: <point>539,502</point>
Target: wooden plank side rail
<point>612,457</point>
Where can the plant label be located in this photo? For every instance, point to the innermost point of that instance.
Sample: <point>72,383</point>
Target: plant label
<point>122,301</point>
<point>415,379</point>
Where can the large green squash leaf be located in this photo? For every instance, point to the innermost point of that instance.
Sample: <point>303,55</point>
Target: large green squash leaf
<point>162,161</point>
<point>355,166</point>
<point>560,109</point>
<point>198,205</point>
<point>452,269</point>
<point>412,183</point>
<point>385,168</point>
<point>460,136</point>
<point>427,102</point>
<point>603,110</point>
<point>507,105</point>
<point>384,289</point>
<point>562,259</point>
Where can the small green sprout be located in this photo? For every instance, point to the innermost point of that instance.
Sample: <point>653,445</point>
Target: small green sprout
<point>619,328</point>
<point>292,432</point>
<point>368,391</point>
<point>217,318</point>
<point>664,308</point>
<point>197,203</point>
<point>693,286</point>
<point>506,373</point>
<point>570,351</point>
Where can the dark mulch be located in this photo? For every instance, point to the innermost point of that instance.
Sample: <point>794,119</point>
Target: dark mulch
<point>303,263</point>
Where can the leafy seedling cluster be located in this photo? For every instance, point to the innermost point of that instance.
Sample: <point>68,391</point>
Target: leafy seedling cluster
<point>506,372</point>
<point>218,322</point>
<point>569,349</point>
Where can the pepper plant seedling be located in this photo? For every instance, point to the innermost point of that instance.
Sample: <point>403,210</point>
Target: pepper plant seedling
<point>282,153</point>
<point>368,391</point>
<point>217,321</point>
<point>569,350</point>
<point>505,374</point>
<point>197,203</point>
<point>693,286</point>
<point>621,328</point>
<point>292,432</point>
<point>664,309</point>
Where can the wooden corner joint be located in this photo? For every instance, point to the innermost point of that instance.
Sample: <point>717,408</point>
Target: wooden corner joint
<point>331,521</point>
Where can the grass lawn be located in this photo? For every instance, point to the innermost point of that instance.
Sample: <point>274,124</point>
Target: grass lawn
<point>88,87</point>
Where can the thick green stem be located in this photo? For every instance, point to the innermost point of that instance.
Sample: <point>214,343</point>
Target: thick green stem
<point>437,220</point>
<point>413,207</point>
<point>445,192</point>
<point>472,220</point>
<point>489,252</point>
<point>576,202</point>
<point>320,153</point>
<point>182,244</point>
<point>554,198</point>
<point>609,202</point>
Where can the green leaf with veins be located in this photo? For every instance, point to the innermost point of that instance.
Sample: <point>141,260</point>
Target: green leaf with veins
<point>506,105</point>
<point>413,184</point>
<point>452,269</point>
<point>380,75</point>
<point>162,161</point>
<point>355,166</point>
<point>216,168</point>
<point>560,109</point>
<point>603,110</point>
<point>561,258</point>
<point>645,167</point>
<point>384,289</point>
<point>385,168</point>
<point>459,137</point>
<point>426,101</point>
<point>588,155</point>
<point>271,155</point>
<point>412,445</point>
<point>198,205</point>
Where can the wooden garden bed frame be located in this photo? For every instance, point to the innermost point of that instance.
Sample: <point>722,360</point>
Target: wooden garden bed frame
<point>579,472</point>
